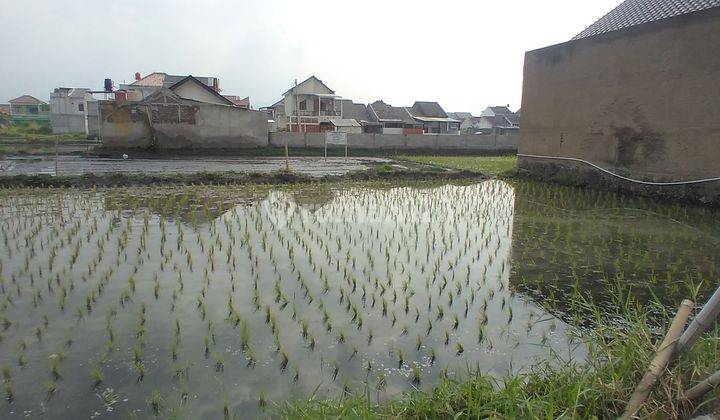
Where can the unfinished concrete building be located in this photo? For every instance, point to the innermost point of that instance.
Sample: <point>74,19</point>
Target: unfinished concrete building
<point>634,95</point>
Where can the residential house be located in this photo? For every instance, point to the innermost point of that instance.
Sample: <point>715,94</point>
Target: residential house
<point>29,108</point>
<point>467,121</point>
<point>433,118</point>
<point>69,110</point>
<point>512,117</point>
<point>310,105</point>
<point>636,93</point>
<point>361,114</point>
<point>346,125</point>
<point>460,116</point>
<point>487,123</point>
<point>393,119</point>
<point>238,101</point>
<point>142,87</point>
<point>194,89</point>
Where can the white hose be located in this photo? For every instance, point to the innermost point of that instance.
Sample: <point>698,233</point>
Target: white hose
<point>637,181</point>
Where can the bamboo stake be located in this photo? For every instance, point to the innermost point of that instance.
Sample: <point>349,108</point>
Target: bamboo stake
<point>659,362</point>
<point>702,322</point>
<point>703,387</point>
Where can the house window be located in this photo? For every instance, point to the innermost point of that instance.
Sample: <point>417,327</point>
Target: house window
<point>303,105</point>
<point>81,107</point>
<point>323,106</point>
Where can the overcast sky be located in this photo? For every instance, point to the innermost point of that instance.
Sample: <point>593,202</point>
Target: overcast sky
<point>465,54</point>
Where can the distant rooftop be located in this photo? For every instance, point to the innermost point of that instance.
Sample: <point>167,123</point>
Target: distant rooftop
<point>27,100</point>
<point>637,12</point>
<point>165,80</point>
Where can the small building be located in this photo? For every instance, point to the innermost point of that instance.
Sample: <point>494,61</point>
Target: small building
<point>393,119</point>
<point>29,108</point>
<point>512,118</point>
<point>346,125</point>
<point>165,120</point>
<point>433,118</point>
<point>310,105</point>
<point>636,93</point>
<point>69,110</point>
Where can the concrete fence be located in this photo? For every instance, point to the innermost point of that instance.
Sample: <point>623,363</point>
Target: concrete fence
<point>478,142</point>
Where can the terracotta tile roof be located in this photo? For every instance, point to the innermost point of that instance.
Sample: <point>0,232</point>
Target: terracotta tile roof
<point>27,100</point>
<point>636,12</point>
<point>238,101</point>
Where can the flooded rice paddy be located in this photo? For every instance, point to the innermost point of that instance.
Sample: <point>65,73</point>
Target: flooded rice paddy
<point>213,301</point>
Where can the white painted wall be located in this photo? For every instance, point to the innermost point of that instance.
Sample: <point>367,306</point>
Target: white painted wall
<point>388,130</point>
<point>304,88</point>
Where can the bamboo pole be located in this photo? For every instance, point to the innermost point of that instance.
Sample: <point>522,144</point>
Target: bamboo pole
<point>703,387</point>
<point>660,360</point>
<point>702,322</point>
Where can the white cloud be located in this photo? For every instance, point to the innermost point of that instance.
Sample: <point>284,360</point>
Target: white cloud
<point>465,54</point>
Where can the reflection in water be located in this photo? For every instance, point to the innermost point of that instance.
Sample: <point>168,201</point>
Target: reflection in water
<point>571,242</point>
<point>200,292</point>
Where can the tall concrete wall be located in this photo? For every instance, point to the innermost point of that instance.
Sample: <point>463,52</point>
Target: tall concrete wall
<point>181,126</point>
<point>487,142</point>
<point>642,102</point>
<point>68,123</point>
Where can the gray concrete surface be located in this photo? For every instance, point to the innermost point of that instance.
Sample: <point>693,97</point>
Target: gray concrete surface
<point>181,125</point>
<point>641,102</point>
<point>483,142</point>
<point>77,165</point>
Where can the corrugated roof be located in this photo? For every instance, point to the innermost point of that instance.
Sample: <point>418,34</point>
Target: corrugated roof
<point>636,12</point>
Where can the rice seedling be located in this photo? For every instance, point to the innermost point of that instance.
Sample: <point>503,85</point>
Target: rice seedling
<point>156,402</point>
<point>336,369</point>
<point>219,361</point>
<point>9,391</point>
<point>261,398</point>
<point>51,388</point>
<point>55,365</point>
<point>416,376</point>
<point>96,376</point>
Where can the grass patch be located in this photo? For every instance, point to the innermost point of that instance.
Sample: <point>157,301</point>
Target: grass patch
<point>38,134</point>
<point>374,173</point>
<point>496,166</point>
